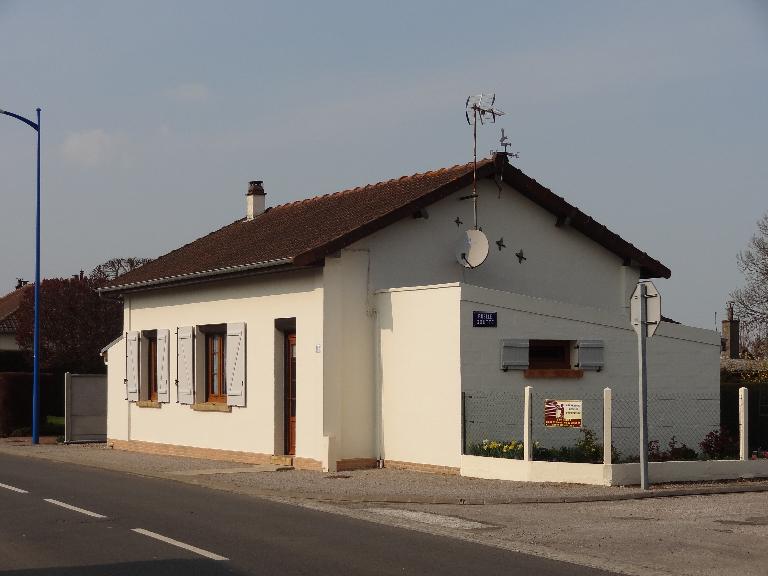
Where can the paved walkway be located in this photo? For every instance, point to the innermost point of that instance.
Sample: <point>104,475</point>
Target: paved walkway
<point>384,486</point>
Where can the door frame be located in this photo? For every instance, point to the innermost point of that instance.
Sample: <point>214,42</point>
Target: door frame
<point>289,373</point>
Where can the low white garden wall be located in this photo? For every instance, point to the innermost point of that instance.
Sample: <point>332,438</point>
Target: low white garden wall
<point>609,474</point>
<point>532,470</point>
<point>624,474</point>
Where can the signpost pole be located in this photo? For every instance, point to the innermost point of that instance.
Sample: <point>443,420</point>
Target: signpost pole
<point>643,386</point>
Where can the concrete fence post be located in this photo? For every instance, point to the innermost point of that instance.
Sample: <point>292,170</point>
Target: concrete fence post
<point>743,423</point>
<point>607,426</point>
<point>67,406</point>
<point>527,425</point>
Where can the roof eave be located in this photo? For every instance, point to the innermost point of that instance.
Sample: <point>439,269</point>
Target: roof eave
<point>578,220</point>
<point>195,277</point>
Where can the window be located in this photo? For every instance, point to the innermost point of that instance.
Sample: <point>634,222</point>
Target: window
<point>548,354</point>
<point>552,358</point>
<point>762,400</point>
<point>211,370</point>
<point>215,367</point>
<point>152,368</point>
<point>147,367</point>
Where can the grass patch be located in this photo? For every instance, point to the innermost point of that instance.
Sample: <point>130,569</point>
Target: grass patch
<point>55,420</point>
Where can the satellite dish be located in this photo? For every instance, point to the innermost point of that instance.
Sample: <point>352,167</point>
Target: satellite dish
<point>472,248</point>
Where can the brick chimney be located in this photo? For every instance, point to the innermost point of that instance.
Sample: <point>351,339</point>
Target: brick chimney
<point>730,337</point>
<point>255,199</point>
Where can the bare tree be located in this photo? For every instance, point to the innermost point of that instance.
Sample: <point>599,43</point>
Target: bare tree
<point>751,300</point>
<point>113,268</point>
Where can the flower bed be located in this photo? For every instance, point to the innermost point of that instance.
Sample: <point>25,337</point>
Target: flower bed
<point>717,445</point>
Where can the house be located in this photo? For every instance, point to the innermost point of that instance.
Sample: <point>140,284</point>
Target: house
<point>16,371</point>
<point>340,331</point>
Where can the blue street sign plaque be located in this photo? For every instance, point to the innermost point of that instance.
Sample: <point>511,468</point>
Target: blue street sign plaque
<point>483,319</point>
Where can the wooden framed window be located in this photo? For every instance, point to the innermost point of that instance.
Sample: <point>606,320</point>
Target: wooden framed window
<point>215,364</point>
<point>549,354</point>
<point>152,368</point>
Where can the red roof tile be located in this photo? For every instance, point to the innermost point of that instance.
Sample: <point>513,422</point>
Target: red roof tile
<point>9,305</point>
<point>302,233</point>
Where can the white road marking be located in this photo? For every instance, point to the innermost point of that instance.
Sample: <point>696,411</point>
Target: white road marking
<point>429,518</point>
<point>75,508</point>
<point>173,542</point>
<point>13,488</point>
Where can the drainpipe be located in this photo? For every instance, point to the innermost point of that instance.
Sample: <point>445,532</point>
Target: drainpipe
<point>125,344</point>
<point>378,400</point>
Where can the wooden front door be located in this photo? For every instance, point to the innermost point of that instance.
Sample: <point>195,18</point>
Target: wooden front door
<point>290,394</point>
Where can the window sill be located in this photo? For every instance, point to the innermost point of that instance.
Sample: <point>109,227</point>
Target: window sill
<point>554,373</point>
<point>211,407</point>
<point>148,404</point>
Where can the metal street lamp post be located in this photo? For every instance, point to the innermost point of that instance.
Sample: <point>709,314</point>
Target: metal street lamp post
<point>36,353</point>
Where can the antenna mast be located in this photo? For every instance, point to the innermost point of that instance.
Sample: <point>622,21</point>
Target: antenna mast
<point>481,107</point>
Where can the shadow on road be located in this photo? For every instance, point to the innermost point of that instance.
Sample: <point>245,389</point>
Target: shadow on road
<point>147,568</point>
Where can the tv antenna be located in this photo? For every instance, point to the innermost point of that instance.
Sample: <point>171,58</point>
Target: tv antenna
<point>479,107</point>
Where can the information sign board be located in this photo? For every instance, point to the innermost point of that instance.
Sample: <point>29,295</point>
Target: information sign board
<point>562,413</point>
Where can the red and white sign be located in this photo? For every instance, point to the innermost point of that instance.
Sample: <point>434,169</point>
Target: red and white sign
<point>562,413</point>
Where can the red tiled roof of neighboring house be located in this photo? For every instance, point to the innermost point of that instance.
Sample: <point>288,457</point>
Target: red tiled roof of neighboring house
<point>302,233</point>
<point>9,305</point>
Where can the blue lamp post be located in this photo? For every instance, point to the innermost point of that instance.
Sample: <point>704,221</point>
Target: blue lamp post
<point>36,353</point>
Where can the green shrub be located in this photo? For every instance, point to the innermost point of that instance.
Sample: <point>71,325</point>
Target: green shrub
<point>587,449</point>
<point>674,451</point>
<point>720,445</point>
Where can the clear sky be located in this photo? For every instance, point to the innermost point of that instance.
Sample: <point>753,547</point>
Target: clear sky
<point>649,116</point>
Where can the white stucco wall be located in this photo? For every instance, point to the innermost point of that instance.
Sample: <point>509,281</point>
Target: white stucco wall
<point>420,252</point>
<point>118,424</point>
<point>420,374</point>
<point>257,302</point>
<point>348,370</point>
<point>682,361</point>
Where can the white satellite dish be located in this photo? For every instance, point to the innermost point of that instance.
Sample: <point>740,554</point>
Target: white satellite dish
<point>472,249</point>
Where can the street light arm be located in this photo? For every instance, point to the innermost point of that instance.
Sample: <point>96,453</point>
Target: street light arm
<point>25,120</point>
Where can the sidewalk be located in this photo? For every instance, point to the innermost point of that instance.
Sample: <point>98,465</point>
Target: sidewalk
<point>361,486</point>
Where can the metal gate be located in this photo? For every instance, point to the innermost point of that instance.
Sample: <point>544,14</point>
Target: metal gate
<point>85,407</point>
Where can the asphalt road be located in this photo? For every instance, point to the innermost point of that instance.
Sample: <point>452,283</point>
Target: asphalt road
<point>229,533</point>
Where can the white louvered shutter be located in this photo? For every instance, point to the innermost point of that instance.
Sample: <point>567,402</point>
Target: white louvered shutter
<point>514,354</point>
<point>186,363</point>
<point>163,368</point>
<point>132,366</point>
<point>591,355</point>
<point>235,364</point>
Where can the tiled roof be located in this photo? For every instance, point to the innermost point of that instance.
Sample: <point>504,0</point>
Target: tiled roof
<point>9,304</point>
<point>302,233</point>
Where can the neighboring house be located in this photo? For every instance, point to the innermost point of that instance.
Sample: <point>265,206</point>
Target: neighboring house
<point>739,370</point>
<point>10,352</point>
<point>338,331</point>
